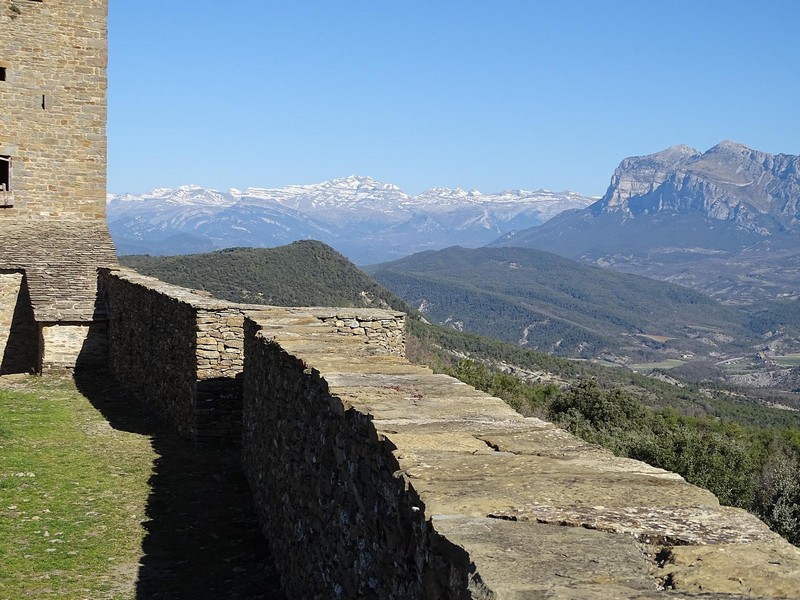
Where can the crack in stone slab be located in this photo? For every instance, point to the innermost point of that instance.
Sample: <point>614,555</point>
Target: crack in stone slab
<point>663,526</point>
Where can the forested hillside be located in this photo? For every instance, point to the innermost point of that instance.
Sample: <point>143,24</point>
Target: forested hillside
<point>545,302</point>
<point>305,273</point>
<point>541,301</point>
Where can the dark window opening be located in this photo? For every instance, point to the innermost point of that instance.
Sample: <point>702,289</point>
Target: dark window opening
<point>5,173</point>
<point>2,73</point>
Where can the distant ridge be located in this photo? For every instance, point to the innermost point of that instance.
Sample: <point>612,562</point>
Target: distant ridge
<point>303,273</point>
<point>367,220</point>
<point>726,222</point>
<point>552,304</point>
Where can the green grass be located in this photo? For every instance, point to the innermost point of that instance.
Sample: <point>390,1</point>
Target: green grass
<point>664,364</point>
<point>790,360</point>
<point>73,493</point>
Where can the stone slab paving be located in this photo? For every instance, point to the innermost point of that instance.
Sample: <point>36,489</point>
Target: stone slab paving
<point>541,513</point>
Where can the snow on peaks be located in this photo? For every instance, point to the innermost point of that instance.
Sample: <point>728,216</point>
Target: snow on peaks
<point>732,145</point>
<point>159,192</point>
<point>354,194</point>
<point>361,182</point>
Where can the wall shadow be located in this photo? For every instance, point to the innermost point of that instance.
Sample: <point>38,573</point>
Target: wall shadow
<point>22,347</point>
<point>202,540</point>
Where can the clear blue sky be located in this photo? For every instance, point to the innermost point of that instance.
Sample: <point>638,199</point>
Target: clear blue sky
<point>492,94</point>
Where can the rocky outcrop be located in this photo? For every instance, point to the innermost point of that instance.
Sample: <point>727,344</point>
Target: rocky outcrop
<point>757,191</point>
<point>724,222</point>
<point>640,175</point>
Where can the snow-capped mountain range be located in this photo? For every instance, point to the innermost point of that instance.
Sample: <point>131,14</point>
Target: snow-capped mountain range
<point>367,220</point>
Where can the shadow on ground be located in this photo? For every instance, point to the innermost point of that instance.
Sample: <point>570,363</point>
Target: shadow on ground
<point>202,540</point>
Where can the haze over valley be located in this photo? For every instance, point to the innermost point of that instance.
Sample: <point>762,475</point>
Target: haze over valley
<point>367,220</point>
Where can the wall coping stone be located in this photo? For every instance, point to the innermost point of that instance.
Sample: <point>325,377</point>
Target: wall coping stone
<point>538,510</point>
<point>201,300</point>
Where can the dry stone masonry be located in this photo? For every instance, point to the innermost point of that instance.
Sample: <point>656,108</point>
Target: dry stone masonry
<point>183,350</point>
<point>53,180</point>
<point>180,351</point>
<point>376,478</point>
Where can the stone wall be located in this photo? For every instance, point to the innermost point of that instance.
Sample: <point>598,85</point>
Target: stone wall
<point>184,351</point>
<point>377,328</point>
<point>53,108</point>
<point>73,346</point>
<point>153,339</point>
<point>343,520</point>
<point>376,478</point>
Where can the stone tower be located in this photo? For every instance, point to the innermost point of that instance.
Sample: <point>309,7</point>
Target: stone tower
<point>53,234</point>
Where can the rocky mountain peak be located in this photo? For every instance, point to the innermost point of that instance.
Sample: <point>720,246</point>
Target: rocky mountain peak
<point>725,221</point>
<point>639,175</point>
<point>729,182</point>
<point>729,146</point>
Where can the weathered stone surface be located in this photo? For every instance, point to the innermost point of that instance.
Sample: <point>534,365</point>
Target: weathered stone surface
<point>537,513</point>
<point>53,139</point>
<point>18,328</point>
<point>65,344</point>
<point>753,569</point>
<point>53,117</point>
<point>505,551</point>
<point>184,352</point>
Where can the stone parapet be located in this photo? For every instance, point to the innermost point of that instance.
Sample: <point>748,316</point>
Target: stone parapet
<point>379,328</point>
<point>343,520</point>
<point>374,477</point>
<point>152,347</point>
<point>160,332</point>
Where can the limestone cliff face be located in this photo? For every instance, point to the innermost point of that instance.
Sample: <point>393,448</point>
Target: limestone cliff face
<point>639,175</point>
<point>724,222</point>
<point>757,191</point>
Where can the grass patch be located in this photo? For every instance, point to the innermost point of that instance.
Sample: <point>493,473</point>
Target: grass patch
<point>660,339</point>
<point>790,360</point>
<point>73,494</point>
<point>664,364</point>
